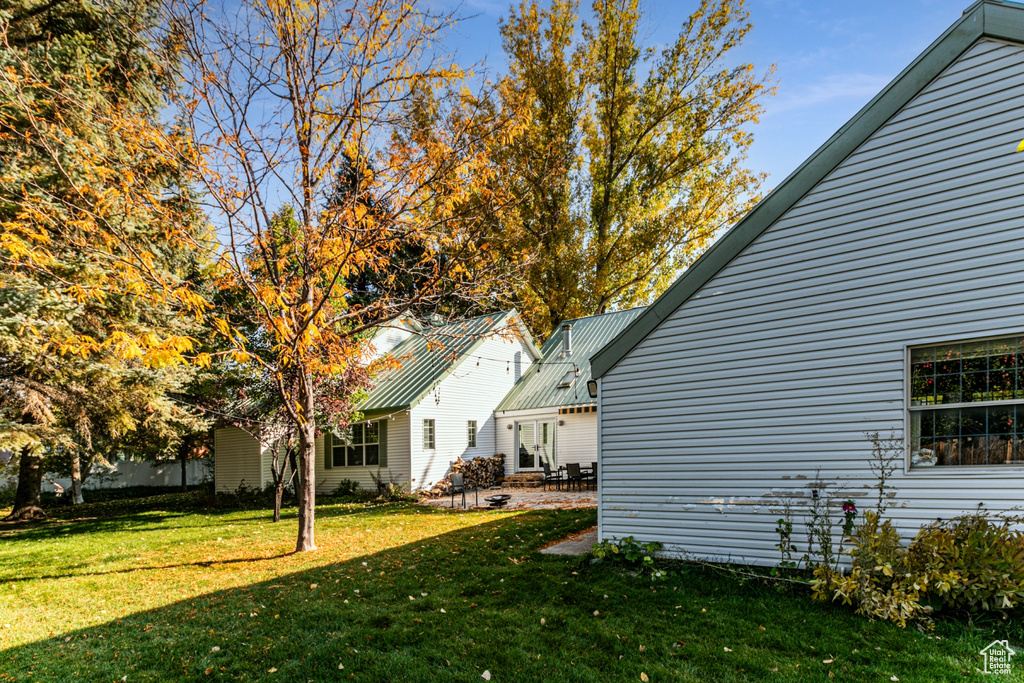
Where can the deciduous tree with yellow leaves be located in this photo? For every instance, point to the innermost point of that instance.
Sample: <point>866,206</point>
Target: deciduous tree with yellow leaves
<point>325,154</point>
<point>631,158</point>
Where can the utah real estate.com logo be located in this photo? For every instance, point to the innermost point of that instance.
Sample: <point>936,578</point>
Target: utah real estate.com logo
<point>997,657</point>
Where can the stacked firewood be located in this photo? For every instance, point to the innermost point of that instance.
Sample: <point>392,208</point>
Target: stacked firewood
<point>478,472</point>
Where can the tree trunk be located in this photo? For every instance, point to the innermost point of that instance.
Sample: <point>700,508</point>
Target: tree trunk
<point>30,479</point>
<point>76,478</point>
<point>278,466</point>
<point>183,450</point>
<point>278,495</point>
<point>307,466</point>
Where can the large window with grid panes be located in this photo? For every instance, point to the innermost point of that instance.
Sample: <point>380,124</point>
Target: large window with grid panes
<point>967,403</point>
<point>358,446</point>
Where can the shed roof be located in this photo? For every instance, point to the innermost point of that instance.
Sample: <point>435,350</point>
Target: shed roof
<point>986,18</point>
<point>539,387</point>
<point>428,357</point>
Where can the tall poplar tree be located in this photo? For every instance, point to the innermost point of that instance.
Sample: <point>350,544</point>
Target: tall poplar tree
<point>631,158</point>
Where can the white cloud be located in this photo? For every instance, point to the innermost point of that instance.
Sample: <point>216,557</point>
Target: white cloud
<point>855,86</point>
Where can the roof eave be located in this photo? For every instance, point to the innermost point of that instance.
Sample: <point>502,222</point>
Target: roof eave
<point>987,18</point>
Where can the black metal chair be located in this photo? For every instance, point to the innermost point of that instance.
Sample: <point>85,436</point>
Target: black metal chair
<point>555,478</point>
<point>573,474</point>
<point>459,486</point>
<point>593,474</point>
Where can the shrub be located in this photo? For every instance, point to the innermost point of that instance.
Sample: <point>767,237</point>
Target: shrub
<point>973,562</point>
<point>629,551</point>
<point>346,487</point>
<point>984,553</point>
<point>390,490</point>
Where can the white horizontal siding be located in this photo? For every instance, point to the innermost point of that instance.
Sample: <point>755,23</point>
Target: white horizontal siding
<point>236,460</point>
<point>783,361</point>
<point>471,392</point>
<point>576,438</point>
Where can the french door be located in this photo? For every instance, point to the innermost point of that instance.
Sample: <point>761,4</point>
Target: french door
<point>535,445</point>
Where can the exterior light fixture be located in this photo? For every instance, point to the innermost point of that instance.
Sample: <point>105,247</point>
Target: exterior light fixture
<point>592,388</point>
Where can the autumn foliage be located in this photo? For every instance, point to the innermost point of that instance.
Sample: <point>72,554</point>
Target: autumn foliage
<point>326,154</point>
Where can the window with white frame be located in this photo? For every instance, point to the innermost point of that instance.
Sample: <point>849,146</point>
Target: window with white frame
<point>967,404</point>
<point>428,435</point>
<point>471,433</point>
<point>358,446</point>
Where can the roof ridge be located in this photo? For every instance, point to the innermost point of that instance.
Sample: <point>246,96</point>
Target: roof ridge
<point>985,18</point>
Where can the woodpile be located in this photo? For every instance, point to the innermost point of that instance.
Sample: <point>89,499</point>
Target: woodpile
<point>478,472</point>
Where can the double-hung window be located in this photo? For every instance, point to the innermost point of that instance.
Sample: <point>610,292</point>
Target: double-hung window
<point>358,446</point>
<point>428,435</point>
<point>967,404</point>
<point>471,434</point>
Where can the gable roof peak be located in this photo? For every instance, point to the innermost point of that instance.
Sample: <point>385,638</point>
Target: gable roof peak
<point>997,19</point>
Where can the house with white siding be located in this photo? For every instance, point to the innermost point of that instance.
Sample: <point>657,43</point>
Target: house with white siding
<point>878,288</point>
<point>438,405</point>
<point>549,417</point>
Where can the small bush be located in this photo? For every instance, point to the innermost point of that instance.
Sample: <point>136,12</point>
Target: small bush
<point>628,551</point>
<point>973,562</point>
<point>985,554</point>
<point>390,490</point>
<point>346,488</point>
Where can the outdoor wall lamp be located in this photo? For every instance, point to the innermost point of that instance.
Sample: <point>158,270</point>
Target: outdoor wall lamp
<point>592,388</point>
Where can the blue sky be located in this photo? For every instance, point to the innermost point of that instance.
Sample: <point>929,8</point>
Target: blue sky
<point>830,57</point>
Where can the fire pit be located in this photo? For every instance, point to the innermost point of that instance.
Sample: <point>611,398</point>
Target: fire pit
<point>498,502</point>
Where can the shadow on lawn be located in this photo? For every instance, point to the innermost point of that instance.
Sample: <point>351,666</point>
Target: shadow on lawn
<point>520,615</point>
<point>300,624</point>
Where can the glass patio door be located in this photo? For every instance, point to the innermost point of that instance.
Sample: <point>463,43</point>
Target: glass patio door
<point>536,445</point>
<point>527,446</point>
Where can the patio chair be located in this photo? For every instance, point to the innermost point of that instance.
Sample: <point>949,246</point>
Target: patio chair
<point>573,473</point>
<point>459,486</point>
<point>555,478</point>
<point>591,476</point>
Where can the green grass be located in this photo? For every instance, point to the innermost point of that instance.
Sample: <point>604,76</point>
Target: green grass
<point>149,592</point>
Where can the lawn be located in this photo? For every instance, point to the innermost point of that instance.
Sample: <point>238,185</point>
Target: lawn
<point>398,592</point>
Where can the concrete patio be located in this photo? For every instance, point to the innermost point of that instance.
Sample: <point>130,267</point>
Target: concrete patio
<point>522,499</point>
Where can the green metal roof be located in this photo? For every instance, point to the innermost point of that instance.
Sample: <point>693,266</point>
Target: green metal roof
<point>429,357</point>
<point>988,18</point>
<point>538,388</point>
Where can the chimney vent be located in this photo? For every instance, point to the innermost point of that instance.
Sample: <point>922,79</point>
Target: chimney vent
<point>566,340</point>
